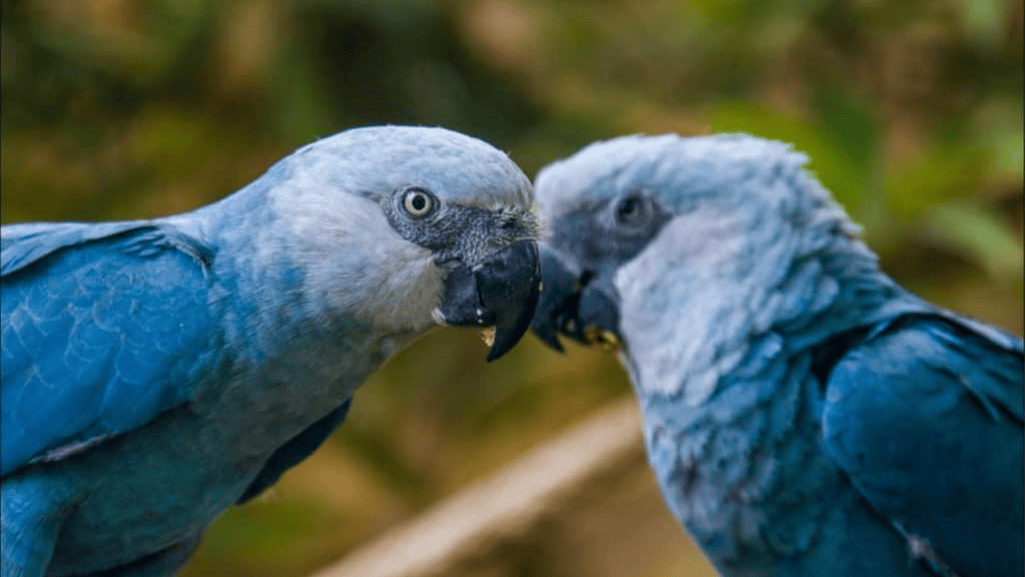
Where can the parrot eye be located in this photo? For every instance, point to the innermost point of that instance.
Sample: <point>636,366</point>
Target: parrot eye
<point>631,210</point>
<point>418,202</point>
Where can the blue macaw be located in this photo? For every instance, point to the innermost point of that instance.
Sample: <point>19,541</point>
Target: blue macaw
<point>155,372</point>
<point>804,415</point>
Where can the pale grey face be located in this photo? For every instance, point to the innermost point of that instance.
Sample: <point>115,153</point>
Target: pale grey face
<point>489,259</point>
<point>638,224</point>
<point>439,225</point>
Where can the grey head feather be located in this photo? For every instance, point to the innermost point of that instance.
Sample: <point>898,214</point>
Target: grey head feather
<point>455,167</point>
<point>728,170</point>
<point>323,211</point>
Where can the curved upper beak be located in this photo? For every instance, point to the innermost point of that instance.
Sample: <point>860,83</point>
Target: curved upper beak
<point>575,302</point>
<point>502,291</point>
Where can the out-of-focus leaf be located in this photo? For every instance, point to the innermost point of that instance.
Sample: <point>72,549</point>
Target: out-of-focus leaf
<point>851,125</point>
<point>983,20</point>
<point>1010,154</point>
<point>724,12</point>
<point>942,174</point>
<point>302,108</point>
<point>977,234</point>
<point>264,530</point>
<point>996,125</point>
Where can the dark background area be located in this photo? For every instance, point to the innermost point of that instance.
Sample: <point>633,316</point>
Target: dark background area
<point>911,112</point>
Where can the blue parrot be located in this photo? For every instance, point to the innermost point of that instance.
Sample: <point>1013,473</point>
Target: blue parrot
<point>155,372</point>
<point>804,415</point>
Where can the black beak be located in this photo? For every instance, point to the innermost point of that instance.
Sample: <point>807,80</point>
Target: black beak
<point>575,302</point>
<point>502,292</point>
<point>560,291</point>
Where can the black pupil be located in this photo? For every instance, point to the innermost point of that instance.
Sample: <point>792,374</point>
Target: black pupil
<point>418,202</point>
<point>628,208</point>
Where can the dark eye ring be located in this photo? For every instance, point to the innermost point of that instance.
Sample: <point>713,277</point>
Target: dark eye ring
<point>418,202</point>
<point>630,210</point>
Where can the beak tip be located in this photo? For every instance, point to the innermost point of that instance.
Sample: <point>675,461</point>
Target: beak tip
<point>547,336</point>
<point>510,287</point>
<point>507,335</point>
<point>498,350</point>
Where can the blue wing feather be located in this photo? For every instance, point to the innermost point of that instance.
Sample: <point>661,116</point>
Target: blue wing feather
<point>103,326</point>
<point>926,418</point>
<point>24,244</point>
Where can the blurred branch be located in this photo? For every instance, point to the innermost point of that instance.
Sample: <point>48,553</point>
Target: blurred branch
<point>507,505</point>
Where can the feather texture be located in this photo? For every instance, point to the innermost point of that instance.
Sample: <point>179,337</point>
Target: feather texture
<point>157,372</point>
<point>804,414</point>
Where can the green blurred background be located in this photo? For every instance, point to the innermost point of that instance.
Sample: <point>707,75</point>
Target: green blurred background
<point>911,112</point>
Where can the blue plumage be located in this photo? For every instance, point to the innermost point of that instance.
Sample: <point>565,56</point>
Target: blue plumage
<point>925,417</point>
<point>803,414</point>
<point>98,325</point>
<point>156,372</point>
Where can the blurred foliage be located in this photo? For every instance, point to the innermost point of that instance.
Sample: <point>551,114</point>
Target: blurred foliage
<point>911,113</point>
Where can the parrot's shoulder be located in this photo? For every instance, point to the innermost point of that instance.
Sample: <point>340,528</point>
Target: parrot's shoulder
<point>956,353</point>
<point>22,245</point>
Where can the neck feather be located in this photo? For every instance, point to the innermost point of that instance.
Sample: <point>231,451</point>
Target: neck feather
<point>686,334</point>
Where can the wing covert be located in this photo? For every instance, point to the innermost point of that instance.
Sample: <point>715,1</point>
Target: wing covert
<point>926,419</point>
<point>101,331</point>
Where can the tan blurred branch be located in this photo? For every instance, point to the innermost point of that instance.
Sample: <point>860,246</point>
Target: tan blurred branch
<point>508,504</point>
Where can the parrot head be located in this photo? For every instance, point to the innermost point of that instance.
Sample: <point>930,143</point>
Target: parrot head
<point>653,239</point>
<point>409,227</point>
